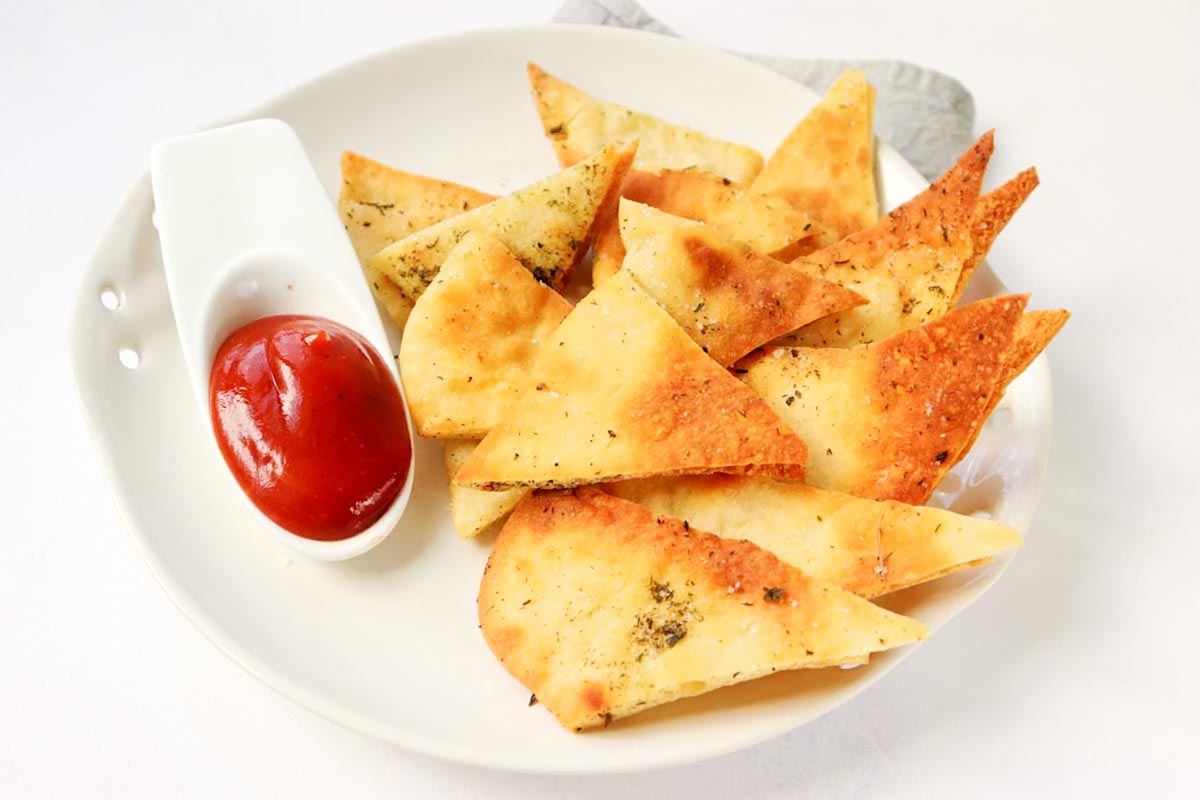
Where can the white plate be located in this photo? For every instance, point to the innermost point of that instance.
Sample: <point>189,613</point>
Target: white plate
<point>387,643</point>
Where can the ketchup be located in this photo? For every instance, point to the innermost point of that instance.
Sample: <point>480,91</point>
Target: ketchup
<point>311,423</point>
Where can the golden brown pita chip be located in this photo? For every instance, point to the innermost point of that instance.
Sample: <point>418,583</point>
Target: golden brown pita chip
<point>907,265</point>
<point>868,547</point>
<point>388,294</point>
<point>826,165</point>
<point>547,225</point>
<point>885,420</point>
<point>769,225</point>
<point>620,391</point>
<point>992,214</point>
<point>380,205</point>
<point>473,337</point>
<point>728,298</point>
<point>579,125</point>
<point>603,610</point>
<point>474,511</point>
<point>1033,332</point>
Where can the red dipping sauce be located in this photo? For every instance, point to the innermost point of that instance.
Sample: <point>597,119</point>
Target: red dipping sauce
<point>311,424</point>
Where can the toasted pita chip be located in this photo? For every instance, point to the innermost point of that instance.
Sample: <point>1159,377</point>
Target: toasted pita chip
<point>907,265</point>
<point>620,391</point>
<point>884,420</point>
<point>547,225</point>
<point>769,225</point>
<point>867,547</point>
<point>474,511</point>
<point>603,610</point>
<point>579,125</point>
<point>1034,331</point>
<point>826,165</point>
<point>380,205</point>
<point>388,295</point>
<point>992,214</point>
<point>728,298</point>
<point>473,337</point>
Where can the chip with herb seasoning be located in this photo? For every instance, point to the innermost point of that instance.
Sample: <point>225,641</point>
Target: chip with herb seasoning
<point>603,609</point>
<point>992,213</point>
<point>1033,332</point>
<point>907,265</point>
<point>380,205</point>
<point>474,511</point>
<point>727,297</point>
<point>769,225</point>
<point>579,125</point>
<point>883,420</point>
<point>868,547</point>
<point>547,225</point>
<point>621,391</point>
<point>473,337</point>
<point>826,165</point>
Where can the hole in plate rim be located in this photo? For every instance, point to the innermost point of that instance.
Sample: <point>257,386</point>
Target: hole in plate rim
<point>111,297</point>
<point>129,357</point>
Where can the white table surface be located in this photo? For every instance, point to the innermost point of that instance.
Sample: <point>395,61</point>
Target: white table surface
<point>1075,676</point>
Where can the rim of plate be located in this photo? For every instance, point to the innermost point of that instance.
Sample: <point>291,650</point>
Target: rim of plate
<point>211,628</point>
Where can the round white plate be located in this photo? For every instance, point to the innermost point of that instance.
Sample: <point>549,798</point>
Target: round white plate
<point>387,643</point>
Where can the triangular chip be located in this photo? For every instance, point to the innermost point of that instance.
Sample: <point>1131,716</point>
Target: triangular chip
<point>769,225</point>
<point>885,420</point>
<point>992,214</point>
<point>907,265</point>
<point>620,391</point>
<point>474,511</point>
<point>547,225</point>
<point>603,610</point>
<point>388,294</point>
<point>826,165</point>
<point>380,205</point>
<point>728,298</point>
<point>868,547</point>
<point>1033,332</point>
<point>579,125</point>
<point>473,337</point>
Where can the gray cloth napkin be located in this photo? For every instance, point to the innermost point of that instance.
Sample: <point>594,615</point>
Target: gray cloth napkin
<point>929,117</point>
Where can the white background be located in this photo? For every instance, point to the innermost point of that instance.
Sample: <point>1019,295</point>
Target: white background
<point>1076,675</point>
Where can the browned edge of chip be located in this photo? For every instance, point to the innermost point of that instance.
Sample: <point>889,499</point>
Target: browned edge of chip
<point>993,212</point>
<point>1031,336</point>
<point>557,103</point>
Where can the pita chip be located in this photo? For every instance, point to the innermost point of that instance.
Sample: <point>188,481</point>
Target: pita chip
<point>885,420</point>
<point>473,337</point>
<point>1034,331</point>
<point>769,225</point>
<point>826,165</point>
<point>602,609</point>
<point>380,205</point>
<point>728,298</point>
<point>992,213</point>
<point>579,125</point>
<point>471,510</point>
<point>907,265</point>
<point>620,391</point>
<point>867,547</point>
<point>548,225</point>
